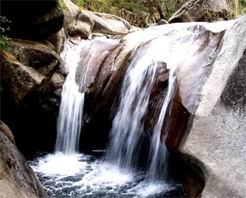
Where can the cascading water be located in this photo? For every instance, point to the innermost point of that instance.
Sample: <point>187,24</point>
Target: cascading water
<point>70,174</point>
<point>72,104</point>
<point>158,167</point>
<point>128,123</point>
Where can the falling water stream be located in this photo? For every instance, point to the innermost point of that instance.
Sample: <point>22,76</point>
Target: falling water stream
<point>72,104</point>
<point>68,173</point>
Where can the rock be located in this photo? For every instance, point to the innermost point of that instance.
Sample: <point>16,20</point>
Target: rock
<point>27,90</point>
<point>92,62</point>
<point>17,178</point>
<point>6,130</point>
<point>99,24</point>
<point>39,56</point>
<point>58,40</point>
<point>33,20</point>
<point>26,68</point>
<point>85,23</point>
<point>216,136</point>
<point>17,79</point>
<point>202,10</point>
<point>71,13</point>
<point>162,22</point>
<point>105,73</point>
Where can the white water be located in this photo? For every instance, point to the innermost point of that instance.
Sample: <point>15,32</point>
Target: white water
<point>72,103</point>
<point>70,174</point>
<point>134,98</point>
<point>175,50</point>
<point>80,175</point>
<point>76,55</point>
<point>158,167</point>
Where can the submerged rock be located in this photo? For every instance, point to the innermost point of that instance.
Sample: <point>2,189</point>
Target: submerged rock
<point>17,178</point>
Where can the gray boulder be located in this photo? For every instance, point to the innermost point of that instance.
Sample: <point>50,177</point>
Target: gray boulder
<point>217,134</point>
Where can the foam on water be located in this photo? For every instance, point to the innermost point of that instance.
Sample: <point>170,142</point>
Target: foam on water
<point>80,175</point>
<point>59,164</point>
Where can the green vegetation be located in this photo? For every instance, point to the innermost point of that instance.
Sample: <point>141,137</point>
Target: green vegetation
<point>239,7</point>
<point>62,4</point>
<point>166,7</point>
<point>4,28</point>
<point>81,3</point>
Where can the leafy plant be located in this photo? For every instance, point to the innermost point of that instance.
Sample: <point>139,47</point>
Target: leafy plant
<point>4,29</point>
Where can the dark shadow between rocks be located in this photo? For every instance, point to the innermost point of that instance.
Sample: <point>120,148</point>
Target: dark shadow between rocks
<point>190,171</point>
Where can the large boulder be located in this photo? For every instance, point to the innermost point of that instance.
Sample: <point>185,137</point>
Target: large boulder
<point>30,86</point>
<point>202,10</point>
<point>17,178</point>
<point>216,136</point>
<point>26,67</point>
<point>209,104</point>
<point>32,19</point>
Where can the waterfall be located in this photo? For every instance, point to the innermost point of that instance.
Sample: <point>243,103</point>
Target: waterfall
<point>128,124</point>
<point>157,63</point>
<point>173,51</point>
<point>158,167</point>
<point>72,103</point>
<point>82,60</point>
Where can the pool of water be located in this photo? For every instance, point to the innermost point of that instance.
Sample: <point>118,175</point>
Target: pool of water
<point>80,175</point>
